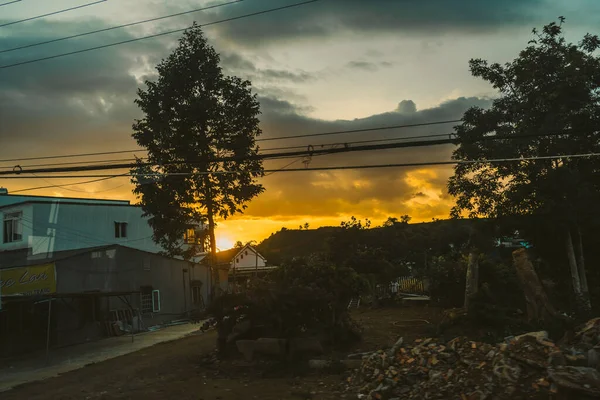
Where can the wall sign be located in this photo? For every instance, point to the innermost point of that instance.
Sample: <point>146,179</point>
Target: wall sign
<point>36,279</point>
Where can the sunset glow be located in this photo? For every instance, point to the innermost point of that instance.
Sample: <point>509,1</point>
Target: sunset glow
<point>309,77</point>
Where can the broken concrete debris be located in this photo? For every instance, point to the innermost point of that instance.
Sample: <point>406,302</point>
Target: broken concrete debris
<point>525,366</point>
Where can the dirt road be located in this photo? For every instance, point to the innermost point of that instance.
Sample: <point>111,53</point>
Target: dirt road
<point>176,370</point>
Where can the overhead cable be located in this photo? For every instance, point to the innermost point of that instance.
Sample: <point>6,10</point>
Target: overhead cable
<point>379,128</point>
<point>70,184</point>
<point>332,168</point>
<point>270,10</point>
<point>119,26</point>
<point>310,152</point>
<point>98,167</point>
<point>52,13</point>
<point>10,2</point>
<point>360,130</point>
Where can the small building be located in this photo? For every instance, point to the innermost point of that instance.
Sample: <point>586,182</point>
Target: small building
<point>86,294</point>
<point>238,264</point>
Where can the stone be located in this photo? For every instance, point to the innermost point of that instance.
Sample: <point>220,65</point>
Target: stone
<point>246,347</point>
<point>557,358</point>
<point>305,346</point>
<point>270,347</point>
<point>574,380</point>
<point>593,358</point>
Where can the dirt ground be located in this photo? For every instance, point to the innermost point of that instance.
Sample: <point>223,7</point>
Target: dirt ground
<point>179,369</point>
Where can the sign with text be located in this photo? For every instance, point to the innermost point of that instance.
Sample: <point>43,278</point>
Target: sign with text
<point>36,279</point>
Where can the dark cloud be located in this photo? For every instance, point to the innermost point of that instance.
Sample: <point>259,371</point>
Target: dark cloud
<point>369,65</point>
<point>364,65</point>
<point>328,18</point>
<point>241,66</point>
<point>371,192</point>
<point>85,102</point>
<point>72,102</point>
<point>406,107</point>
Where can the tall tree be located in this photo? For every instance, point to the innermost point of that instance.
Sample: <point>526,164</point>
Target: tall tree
<point>549,105</point>
<point>194,117</point>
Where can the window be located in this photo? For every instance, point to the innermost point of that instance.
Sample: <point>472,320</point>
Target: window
<point>96,254</point>
<point>246,252</point>
<point>190,236</point>
<point>13,228</point>
<point>155,301</point>
<point>241,257</point>
<point>146,299</point>
<point>120,229</point>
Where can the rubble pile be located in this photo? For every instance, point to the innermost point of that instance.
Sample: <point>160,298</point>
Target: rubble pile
<point>528,366</point>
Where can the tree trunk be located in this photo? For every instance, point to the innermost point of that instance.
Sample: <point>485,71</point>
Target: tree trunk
<point>581,264</point>
<point>211,235</point>
<point>581,270</point>
<point>538,304</point>
<point>580,299</point>
<point>472,278</point>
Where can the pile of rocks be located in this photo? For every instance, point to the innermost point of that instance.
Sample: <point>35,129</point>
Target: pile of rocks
<point>526,366</point>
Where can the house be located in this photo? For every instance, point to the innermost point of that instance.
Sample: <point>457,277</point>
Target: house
<point>80,266</point>
<point>86,294</point>
<point>238,264</point>
<point>45,225</point>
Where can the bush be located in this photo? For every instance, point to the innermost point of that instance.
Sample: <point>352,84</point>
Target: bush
<point>305,298</point>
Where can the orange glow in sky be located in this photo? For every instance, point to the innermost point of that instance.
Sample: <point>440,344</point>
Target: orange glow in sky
<point>224,242</point>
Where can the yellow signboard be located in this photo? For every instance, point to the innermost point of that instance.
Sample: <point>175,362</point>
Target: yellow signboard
<point>37,279</point>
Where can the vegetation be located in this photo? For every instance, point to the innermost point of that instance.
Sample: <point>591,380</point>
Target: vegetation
<point>548,105</point>
<point>308,297</point>
<point>194,116</point>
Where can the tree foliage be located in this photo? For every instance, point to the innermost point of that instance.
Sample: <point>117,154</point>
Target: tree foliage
<point>306,297</point>
<point>549,106</point>
<point>194,115</point>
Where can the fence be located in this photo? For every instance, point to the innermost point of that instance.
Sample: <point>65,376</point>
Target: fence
<point>412,285</point>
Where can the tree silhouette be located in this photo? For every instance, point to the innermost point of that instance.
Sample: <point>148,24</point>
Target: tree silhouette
<point>549,105</point>
<point>194,115</point>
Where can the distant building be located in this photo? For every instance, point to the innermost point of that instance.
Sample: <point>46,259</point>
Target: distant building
<point>239,264</point>
<point>45,225</point>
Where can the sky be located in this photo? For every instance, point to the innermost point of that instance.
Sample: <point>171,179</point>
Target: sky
<point>325,66</point>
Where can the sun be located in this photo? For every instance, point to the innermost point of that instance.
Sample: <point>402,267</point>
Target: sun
<point>224,243</point>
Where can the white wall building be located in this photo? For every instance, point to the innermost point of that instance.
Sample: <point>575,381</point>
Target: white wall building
<point>45,225</point>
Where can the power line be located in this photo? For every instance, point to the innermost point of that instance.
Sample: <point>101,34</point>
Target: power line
<point>272,156</point>
<point>335,168</point>
<point>10,2</point>
<point>400,126</point>
<point>64,186</point>
<point>70,184</point>
<point>284,167</point>
<point>119,26</point>
<point>449,135</point>
<point>157,34</point>
<point>72,163</point>
<point>72,155</point>
<point>98,167</point>
<point>310,152</point>
<point>268,149</point>
<point>360,130</point>
<point>53,13</point>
